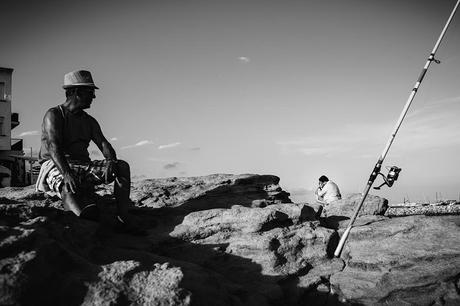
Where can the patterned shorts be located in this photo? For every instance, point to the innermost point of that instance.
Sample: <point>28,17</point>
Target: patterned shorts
<point>92,173</point>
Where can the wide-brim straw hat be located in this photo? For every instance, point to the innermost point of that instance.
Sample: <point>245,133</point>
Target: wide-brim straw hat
<point>79,78</point>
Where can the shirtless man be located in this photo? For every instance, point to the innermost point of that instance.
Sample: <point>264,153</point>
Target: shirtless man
<point>67,171</point>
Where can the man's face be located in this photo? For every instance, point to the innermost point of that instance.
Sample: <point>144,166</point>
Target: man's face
<point>86,96</point>
<point>321,184</point>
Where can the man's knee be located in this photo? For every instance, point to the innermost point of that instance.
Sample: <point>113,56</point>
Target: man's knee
<point>123,167</point>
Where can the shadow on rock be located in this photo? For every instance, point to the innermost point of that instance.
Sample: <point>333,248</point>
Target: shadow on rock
<point>193,255</point>
<point>333,222</point>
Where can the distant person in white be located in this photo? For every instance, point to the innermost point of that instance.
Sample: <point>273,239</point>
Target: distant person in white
<point>327,191</point>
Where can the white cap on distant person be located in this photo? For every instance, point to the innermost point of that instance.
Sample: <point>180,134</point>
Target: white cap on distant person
<point>79,78</point>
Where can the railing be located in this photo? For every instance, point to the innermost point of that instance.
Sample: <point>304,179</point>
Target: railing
<point>14,120</point>
<point>16,144</point>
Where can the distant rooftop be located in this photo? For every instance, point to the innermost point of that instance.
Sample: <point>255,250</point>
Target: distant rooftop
<point>6,69</point>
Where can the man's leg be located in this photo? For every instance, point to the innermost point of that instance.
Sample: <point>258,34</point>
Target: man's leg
<point>71,201</point>
<point>74,202</point>
<point>122,188</point>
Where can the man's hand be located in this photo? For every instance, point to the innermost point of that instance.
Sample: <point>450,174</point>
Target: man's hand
<point>71,182</point>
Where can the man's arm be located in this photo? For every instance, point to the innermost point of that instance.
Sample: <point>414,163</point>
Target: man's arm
<point>319,198</point>
<point>321,192</point>
<point>52,128</point>
<point>106,148</point>
<point>101,142</point>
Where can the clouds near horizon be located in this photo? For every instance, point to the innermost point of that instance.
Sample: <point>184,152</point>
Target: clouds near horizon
<point>244,59</point>
<point>168,146</point>
<point>29,133</point>
<point>171,166</point>
<point>138,144</point>
<point>434,125</point>
<point>334,142</point>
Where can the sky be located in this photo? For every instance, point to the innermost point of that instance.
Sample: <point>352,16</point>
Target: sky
<point>292,88</point>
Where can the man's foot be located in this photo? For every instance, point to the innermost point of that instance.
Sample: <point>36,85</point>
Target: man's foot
<point>90,212</point>
<point>125,225</point>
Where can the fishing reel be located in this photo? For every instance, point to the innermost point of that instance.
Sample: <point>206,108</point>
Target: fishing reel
<point>392,176</point>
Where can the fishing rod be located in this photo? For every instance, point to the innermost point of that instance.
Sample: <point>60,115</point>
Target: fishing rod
<point>394,171</point>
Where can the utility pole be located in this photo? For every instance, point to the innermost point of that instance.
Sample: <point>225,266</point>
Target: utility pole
<point>30,165</point>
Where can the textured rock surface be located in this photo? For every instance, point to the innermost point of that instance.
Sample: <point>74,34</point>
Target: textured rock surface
<point>155,285</point>
<point>428,210</point>
<point>337,214</point>
<point>221,240</point>
<point>373,205</point>
<point>280,243</point>
<point>402,261</point>
<point>217,190</point>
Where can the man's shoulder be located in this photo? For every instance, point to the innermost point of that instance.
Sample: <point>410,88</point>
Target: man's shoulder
<point>53,109</point>
<point>89,117</point>
<point>53,112</point>
<point>333,185</point>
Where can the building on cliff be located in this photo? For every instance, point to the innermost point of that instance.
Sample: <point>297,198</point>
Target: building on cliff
<point>12,160</point>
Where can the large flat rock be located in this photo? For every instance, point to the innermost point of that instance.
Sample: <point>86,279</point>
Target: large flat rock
<point>373,205</point>
<point>204,192</point>
<point>402,261</point>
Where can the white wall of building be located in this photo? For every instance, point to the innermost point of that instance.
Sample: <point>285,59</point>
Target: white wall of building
<point>5,108</point>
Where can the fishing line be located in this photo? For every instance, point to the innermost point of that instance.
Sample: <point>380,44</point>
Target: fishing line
<point>394,170</point>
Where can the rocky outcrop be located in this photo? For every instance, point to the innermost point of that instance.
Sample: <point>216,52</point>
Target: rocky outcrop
<point>259,248</point>
<point>221,240</point>
<point>205,192</point>
<point>338,213</point>
<point>49,256</point>
<point>402,261</point>
<point>279,239</point>
<point>373,205</point>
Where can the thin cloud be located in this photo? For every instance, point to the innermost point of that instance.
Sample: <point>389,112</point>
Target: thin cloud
<point>195,149</point>
<point>158,160</point>
<point>326,150</point>
<point>433,126</point>
<point>138,144</point>
<point>29,133</point>
<point>168,146</point>
<point>164,161</point>
<point>171,166</point>
<point>113,139</point>
<point>434,106</point>
<point>244,59</point>
<point>331,143</point>
<point>143,143</point>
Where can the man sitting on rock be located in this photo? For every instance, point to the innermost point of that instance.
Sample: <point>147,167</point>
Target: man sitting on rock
<point>327,191</point>
<point>66,169</point>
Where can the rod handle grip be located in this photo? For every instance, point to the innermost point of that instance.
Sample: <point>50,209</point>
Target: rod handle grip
<point>344,237</point>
